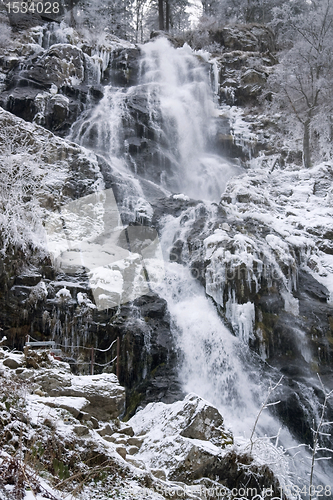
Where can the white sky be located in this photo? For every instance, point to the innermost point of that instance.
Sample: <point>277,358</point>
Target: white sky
<point>195,10</point>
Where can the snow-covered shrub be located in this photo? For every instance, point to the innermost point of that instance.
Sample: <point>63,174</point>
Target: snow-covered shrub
<point>201,36</point>
<point>21,179</point>
<point>5,31</point>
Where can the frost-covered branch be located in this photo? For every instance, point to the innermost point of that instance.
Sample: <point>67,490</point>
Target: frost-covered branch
<point>264,405</point>
<point>21,180</point>
<point>317,433</point>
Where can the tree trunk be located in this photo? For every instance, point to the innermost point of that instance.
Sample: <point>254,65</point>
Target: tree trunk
<point>306,144</point>
<point>72,22</point>
<point>167,15</point>
<point>160,15</point>
<point>248,12</point>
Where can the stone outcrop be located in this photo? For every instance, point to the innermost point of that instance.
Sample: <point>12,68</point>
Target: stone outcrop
<point>175,447</point>
<point>105,397</point>
<point>38,294</point>
<point>49,81</point>
<point>243,76</point>
<point>187,442</point>
<point>248,38</point>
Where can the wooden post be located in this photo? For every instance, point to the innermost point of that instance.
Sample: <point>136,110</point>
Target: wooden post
<point>92,361</point>
<point>118,356</point>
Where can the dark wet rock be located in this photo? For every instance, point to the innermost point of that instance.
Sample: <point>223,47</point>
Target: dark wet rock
<point>244,71</point>
<point>295,411</point>
<point>57,66</point>
<point>21,22</point>
<point>249,38</point>
<point>309,285</point>
<point>124,68</point>
<point>148,372</point>
<point>50,87</point>
<point>270,303</point>
<point>240,472</point>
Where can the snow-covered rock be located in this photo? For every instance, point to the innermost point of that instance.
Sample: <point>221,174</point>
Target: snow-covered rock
<point>180,438</point>
<point>13,360</point>
<point>103,397</point>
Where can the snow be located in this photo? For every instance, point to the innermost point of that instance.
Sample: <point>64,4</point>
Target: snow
<point>291,304</point>
<point>63,293</point>
<point>240,129</point>
<point>96,381</point>
<point>181,196</point>
<point>14,355</point>
<point>82,299</point>
<point>73,402</point>
<point>29,495</point>
<point>160,426</point>
<point>298,210</point>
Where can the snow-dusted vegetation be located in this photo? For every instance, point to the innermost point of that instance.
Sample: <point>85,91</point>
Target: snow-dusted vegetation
<point>166,234</point>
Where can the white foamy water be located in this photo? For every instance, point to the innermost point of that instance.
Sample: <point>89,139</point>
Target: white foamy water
<point>220,368</point>
<point>179,91</point>
<point>174,89</point>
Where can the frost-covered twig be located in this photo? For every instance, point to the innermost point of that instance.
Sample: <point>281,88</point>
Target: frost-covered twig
<point>264,405</point>
<point>317,434</point>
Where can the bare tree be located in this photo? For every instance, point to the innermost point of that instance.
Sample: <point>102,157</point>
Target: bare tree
<point>304,78</point>
<point>263,407</point>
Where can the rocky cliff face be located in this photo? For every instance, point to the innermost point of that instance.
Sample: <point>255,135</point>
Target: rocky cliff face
<point>266,276</point>
<point>261,252</point>
<point>33,295</point>
<point>68,429</point>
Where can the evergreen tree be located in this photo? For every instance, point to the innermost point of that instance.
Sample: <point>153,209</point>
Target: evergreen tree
<point>172,14</point>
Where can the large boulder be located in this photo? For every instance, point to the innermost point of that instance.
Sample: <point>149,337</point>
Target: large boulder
<point>100,396</point>
<point>31,92</point>
<point>62,64</point>
<point>188,443</point>
<point>106,397</point>
<point>190,434</point>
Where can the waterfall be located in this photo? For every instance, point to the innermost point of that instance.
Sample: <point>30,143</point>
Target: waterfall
<point>174,105</point>
<point>220,368</point>
<point>157,137</point>
<point>179,91</point>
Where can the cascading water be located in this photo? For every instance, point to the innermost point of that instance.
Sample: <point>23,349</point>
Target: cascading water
<point>174,107</point>
<point>220,368</point>
<point>167,142</point>
<point>184,100</point>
